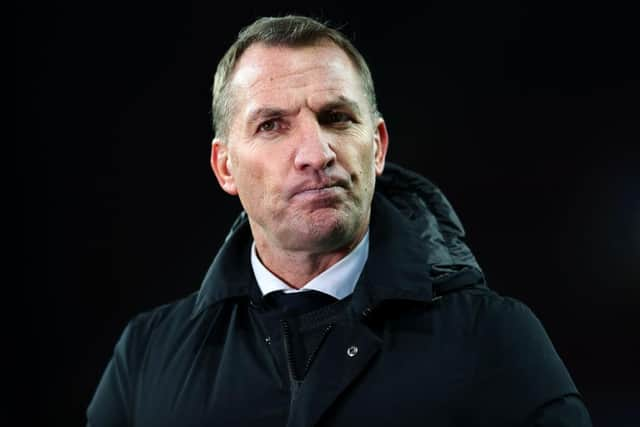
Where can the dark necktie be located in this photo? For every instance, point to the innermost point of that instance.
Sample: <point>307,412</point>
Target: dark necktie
<point>295,303</point>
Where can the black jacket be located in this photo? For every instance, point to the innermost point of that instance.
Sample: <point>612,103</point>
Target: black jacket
<point>435,346</point>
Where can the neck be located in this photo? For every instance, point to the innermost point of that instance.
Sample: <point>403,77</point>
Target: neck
<point>297,268</point>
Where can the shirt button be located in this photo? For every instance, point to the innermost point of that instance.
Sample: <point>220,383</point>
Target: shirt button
<point>352,351</point>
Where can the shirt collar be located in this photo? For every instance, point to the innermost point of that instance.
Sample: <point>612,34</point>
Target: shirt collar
<point>337,281</point>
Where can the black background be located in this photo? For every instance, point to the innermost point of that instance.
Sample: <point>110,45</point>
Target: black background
<point>525,114</point>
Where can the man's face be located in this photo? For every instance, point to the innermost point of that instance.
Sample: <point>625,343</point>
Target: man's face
<point>303,147</point>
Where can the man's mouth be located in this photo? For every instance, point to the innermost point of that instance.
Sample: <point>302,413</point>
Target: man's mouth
<point>318,192</point>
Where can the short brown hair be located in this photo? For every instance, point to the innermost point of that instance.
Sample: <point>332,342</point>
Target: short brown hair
<point>292,31</point>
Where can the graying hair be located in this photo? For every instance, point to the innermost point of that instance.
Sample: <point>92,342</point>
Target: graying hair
<point>291,31</point>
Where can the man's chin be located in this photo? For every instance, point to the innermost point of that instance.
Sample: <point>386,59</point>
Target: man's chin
<point>324,229</point>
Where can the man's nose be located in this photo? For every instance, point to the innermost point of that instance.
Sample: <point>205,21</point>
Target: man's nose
<point>313,149</point>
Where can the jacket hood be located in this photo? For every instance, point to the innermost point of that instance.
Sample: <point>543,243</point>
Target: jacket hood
<point>433,218</point>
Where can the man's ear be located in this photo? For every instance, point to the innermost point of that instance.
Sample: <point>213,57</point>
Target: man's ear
<point>221,165</point>
<point>381,143</point>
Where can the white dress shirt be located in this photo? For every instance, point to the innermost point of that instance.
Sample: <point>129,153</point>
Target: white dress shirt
<point>339,280</point>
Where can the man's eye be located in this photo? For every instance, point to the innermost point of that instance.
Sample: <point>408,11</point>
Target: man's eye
<point>336,117</point>
<point>268,126</point>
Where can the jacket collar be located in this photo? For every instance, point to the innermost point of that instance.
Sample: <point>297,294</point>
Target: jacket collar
<point>416,243</point>
<point>229,275</point>
<point>396,268</point>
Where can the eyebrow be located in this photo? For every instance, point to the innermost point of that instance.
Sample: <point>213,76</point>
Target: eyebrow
<point>272,112</point>
<point>266,112</point>
<point>342,102</point>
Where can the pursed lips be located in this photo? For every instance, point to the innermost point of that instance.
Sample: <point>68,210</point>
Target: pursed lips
<point>316,189</point>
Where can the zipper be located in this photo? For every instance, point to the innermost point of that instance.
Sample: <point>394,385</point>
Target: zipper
<point>291,361</point>
<point>312,356</point>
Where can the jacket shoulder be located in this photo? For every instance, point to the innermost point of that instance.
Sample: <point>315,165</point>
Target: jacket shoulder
<point>493,310</point>
<point>158,316</point>
<point>159,322</point>
<point>114,400</point>
<point>506,327</point>
<point>514,352</point>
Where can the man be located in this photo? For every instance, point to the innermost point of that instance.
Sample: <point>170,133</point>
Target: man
<point>329,304</point>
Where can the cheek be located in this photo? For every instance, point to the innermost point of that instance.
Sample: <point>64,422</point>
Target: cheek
<point>356,146</point>
<point>245,165</point>
<point>366,157</point>
<point>367,167</point>
<point>257,181</point>
<point>246,176</point>
<point>253,181</point>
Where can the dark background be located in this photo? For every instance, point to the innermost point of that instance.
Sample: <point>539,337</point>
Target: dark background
<point>526,115</point>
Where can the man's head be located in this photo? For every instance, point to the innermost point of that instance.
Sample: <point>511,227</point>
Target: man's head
<point>303,142</point>
<point>291,31</point>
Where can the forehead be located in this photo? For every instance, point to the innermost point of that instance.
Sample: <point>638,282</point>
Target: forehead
<point>293,75</point>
